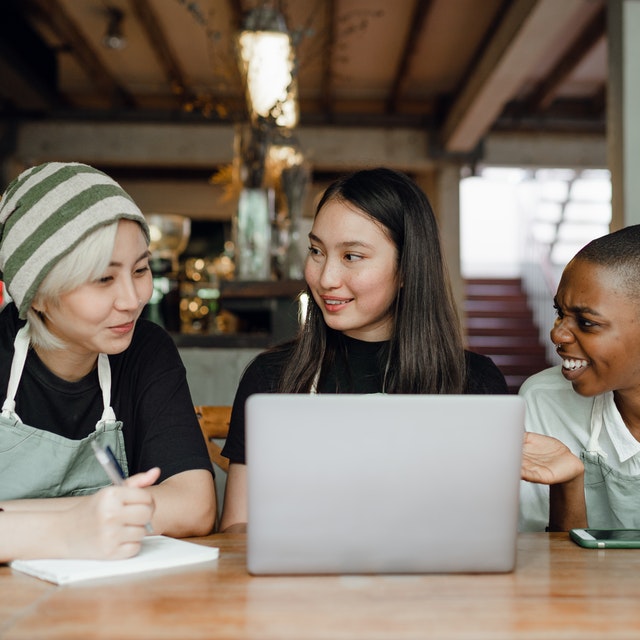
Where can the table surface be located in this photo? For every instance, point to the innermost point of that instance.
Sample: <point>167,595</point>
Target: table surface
<point>558,590</point>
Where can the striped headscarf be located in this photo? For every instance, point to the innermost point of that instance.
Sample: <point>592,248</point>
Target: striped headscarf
<point>45,212</point>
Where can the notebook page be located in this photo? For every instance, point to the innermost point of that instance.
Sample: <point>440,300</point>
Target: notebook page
<point>157,552</point>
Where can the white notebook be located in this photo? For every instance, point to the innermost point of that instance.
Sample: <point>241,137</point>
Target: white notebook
<point>157,552</point>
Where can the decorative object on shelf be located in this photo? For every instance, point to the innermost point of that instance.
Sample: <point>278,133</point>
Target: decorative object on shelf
<point>252,234</point>
<point>199,294</point>
<point>252,143</point>
<point>169,235</point>
<point>252,221</point>
<point>294,179</point>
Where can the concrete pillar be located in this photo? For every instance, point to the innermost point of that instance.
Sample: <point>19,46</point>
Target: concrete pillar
<point>442,186</point>
<point>623,110</point>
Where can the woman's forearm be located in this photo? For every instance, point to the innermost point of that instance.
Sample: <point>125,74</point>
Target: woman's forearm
<point>185,504</point>
<point>567,505</point>
<point>41,504</point>
<point>21,536</point>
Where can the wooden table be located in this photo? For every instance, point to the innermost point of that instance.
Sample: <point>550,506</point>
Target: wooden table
<point>558,590</point>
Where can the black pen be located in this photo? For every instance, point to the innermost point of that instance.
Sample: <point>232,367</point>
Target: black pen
<point>113,469</point>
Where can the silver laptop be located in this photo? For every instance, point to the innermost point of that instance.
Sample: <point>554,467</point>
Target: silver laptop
<point>353,484</point>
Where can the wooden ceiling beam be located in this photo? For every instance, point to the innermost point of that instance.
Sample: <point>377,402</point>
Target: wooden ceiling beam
<point>327,60</point>
<point>237,13</point>
<point>421,10</point>
<point>52,13</point>
<point>161,48</point>
<point>546,92</point>
<point>206,146</point>
<point>523,35</point>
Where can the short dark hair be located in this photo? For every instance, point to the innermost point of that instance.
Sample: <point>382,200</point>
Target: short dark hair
<point>620,251</point>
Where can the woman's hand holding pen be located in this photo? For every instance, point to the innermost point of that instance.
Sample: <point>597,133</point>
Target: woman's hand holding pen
<point>110,524</point>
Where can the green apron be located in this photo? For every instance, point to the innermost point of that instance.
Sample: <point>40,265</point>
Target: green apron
<point>35,463</point>
<point>613,498</point>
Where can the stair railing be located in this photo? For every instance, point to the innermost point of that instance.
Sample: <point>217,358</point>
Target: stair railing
<point>540,280</point>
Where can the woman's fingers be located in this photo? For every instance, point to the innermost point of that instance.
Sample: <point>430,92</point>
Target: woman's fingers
<point>145,479</point>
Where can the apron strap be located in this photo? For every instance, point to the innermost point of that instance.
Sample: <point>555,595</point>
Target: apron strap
<point>597,418</point>
<point>21,348</point>
<point>104,377</point>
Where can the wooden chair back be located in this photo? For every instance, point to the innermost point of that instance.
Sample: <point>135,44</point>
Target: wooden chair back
<point>214,422</point>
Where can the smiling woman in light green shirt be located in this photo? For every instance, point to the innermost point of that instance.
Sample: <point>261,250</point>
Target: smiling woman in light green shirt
<point>591,402</point>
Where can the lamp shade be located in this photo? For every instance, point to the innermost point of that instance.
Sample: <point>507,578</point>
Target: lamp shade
<point>267,62</point>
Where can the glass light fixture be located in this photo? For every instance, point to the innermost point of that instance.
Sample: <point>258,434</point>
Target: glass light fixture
<point>114,36</point>
<point>267,62</point>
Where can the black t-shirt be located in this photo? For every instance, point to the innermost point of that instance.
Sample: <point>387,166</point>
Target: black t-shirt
<point>363,375</point>
<point>149,394</point>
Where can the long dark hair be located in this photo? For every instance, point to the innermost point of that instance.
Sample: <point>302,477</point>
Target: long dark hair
<point>425,352</point>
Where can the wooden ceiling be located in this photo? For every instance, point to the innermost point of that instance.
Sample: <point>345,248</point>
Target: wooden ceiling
<point>460,68</point>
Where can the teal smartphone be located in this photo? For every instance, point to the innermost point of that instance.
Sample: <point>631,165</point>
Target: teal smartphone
<point>606,538</point>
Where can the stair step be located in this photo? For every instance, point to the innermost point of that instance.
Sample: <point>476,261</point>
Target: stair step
<point>490,280</point>
<point>523,332</point>
<point>502,341</point>
<point>496,306</point>
<point>493,293</point>
<point>522,315</point>
<point>519,301</point>
<point>499,289</point>
<point>508,360</point>
<point>499,324</point>
<point>534,350</point>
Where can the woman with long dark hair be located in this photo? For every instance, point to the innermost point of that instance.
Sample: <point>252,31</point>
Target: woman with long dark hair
<point>380,317</point>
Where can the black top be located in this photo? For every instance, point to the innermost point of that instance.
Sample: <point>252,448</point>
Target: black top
<point>364,374</point>
<point>149,394</point>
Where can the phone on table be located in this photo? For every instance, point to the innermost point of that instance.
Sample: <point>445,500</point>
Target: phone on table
<point>607,538</point>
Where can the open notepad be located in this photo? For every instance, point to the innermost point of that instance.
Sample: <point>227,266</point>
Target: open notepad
<point>157,552</point>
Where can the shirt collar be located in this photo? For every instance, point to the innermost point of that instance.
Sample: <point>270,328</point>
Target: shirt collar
<point>624,443</point>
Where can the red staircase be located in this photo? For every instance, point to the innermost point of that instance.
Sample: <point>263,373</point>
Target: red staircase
<point>499,324</point>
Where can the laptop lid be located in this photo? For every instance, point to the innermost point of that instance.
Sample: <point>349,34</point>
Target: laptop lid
<point>382,483</point>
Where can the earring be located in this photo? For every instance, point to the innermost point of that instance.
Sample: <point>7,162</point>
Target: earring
<point>557,346</point>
